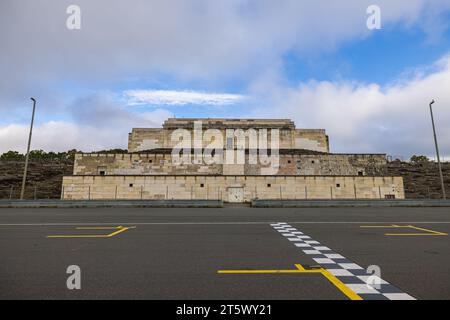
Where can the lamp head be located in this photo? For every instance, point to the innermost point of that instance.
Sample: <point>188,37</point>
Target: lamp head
<point>432,101</point>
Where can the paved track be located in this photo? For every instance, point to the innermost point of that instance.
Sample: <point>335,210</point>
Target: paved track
<point>177,253</point>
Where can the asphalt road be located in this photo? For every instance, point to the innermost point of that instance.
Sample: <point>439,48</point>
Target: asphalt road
<point>177,253</point>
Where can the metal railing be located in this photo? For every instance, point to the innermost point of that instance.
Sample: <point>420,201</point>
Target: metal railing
<point>32,192</point>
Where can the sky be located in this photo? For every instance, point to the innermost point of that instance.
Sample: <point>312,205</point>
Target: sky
<point>136,63</point>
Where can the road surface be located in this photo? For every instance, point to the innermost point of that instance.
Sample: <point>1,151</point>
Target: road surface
<point>234,252</point>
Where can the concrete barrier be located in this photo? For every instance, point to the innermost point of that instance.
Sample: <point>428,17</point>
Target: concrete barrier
<point>112,203</point>
<point>349,203</point>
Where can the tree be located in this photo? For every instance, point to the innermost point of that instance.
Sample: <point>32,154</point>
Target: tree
<point>12,155</point>
<point>70,155</point>
<point>112,151</point>
<point>37,154</point>
<point>419,159</point>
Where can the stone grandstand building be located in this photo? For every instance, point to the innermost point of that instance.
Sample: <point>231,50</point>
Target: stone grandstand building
<point>234,160</point>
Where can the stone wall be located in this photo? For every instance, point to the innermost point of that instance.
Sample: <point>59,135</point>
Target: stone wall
<point>338,164</point>
<point>141,139</point>
<point>290,164</point>
<point>137,164</point>
<point>230,188</point>
<point>147,139</point>
<point>225,123</point>
<point>421,179</point>
<point>311,139</point>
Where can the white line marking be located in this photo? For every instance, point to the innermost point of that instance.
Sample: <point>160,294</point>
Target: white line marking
<point>311,252</point>
<point>322,248</point>
<point>350,266</point>
<point>362,288</point>
<point>343,273</point>
<point>213,223</point>
<point>321,260</point>
<point>373,278</point>
<point>334,256</point>
<point>312,242</point>
<point>302,245</point>
<point>398,296</point>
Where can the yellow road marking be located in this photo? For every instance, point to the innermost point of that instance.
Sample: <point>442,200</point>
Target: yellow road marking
<point>300,269</point>
<point>390,226</point>
<point>340,285</point>
<point>117,232</point>
<point>118,229</point>
<point>257,271</point>
<point>96,228</point>
<point>426,232</point>
<point>78,236</point>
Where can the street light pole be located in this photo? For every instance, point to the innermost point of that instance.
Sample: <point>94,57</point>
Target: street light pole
<point>22,192</point>
<point>437,152</point>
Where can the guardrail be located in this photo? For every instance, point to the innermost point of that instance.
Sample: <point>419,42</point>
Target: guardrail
<point>111,203</point>
<point>349,203</point>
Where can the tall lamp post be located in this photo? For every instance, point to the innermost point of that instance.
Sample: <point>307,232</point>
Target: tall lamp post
<point>22,192</point>
<point>437,152</point>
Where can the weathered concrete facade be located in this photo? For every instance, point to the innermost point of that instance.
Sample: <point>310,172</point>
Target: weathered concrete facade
<point>304,168</point>
<point>159,163</point>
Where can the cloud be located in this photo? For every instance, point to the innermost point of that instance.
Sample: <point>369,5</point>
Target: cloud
<point>53,135</point>
<point>105,110</point>
<point>98,122</point>
<point>62,136</point>
<point>206,41</point>
<point>358,117</point>
<point>211,44</point>
<point>171,97</point>
<point>363,117</point>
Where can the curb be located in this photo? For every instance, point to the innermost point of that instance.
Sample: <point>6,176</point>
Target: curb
<point>111,204</point>
<point>348,203</point>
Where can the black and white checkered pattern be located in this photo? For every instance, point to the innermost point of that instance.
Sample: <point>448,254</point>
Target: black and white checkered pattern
<point>352,275</point>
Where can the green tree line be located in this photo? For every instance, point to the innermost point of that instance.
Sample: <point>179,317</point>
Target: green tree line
<point>69,155</point>
<point>43,155</point>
